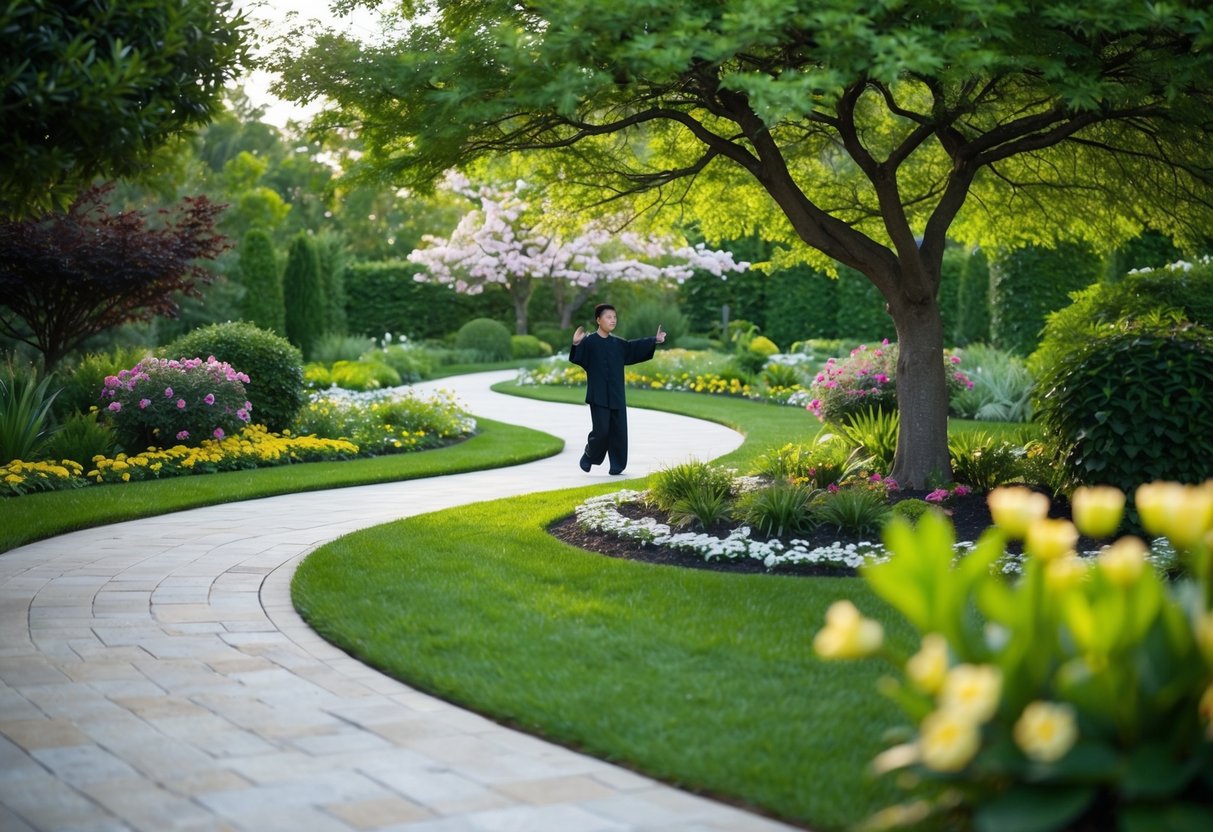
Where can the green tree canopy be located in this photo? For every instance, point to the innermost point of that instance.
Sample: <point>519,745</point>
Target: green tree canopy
<point>96,87</point>
<point>863,132</point>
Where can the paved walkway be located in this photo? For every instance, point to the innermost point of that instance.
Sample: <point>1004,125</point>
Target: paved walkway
<point>154,676</point>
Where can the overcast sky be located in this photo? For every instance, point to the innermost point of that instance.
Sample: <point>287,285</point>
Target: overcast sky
<point>271,17</point>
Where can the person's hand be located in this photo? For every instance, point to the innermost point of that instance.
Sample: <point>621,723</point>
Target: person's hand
<point>578,335</point>
<point>660,334</point>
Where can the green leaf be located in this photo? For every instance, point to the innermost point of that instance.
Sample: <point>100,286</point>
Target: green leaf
<point>1036,808</point>
<point>1153,771</point>
<point>1168,817</point>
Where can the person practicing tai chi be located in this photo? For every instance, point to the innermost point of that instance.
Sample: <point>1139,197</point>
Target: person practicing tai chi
<point>603,357</point>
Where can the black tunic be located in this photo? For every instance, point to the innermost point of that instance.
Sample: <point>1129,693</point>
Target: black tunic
<point>603,360</point>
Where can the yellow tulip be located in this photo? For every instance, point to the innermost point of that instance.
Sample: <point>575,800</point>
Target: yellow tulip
<point>1123,561</point>
<point>1157,503</point>
<point>1046,731</point>
<point>1097,509</point>
<point>973,691</point>
<point>1065,573</point>
<point>948,740</point>
<point>1049,538</point>
<point>847,634</point>
<point>1015,508</point>
<point>928,668</point>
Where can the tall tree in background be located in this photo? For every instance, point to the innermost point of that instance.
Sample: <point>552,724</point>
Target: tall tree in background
<point>506,240</point>
<point>863,133</point>
<point>263,302</point>
<point>304,294</point>
<point>67,276</point>
<point>95,87</point>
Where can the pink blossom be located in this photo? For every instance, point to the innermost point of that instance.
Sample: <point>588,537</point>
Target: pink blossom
<point>242,415</point>
<point>962,490</point>
<point>168,392</point>
<point>937,496</point>
<point>181,404</point>
<point>881,378</point>
<point>182,435</point>
<point>955,359</point>
<point>143,403</point>
<point>210,398</point>
<point>218,433</point>
<point>115,406</point>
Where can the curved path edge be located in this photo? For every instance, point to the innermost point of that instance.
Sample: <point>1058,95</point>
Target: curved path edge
<point>154,675</point>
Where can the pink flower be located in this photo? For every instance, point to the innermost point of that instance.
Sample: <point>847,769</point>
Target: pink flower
<point>937,496</point>
<point>955,359</point>
<point>218,433</point>
<point>185,434</point>
<point>962,490</point>
<point>168,392</point>
<point>881,378</point>
<point>143,403</point>
<point>181,404</point>
<point>210,398</point>
<point>115,406</point>
<point>242,415</point>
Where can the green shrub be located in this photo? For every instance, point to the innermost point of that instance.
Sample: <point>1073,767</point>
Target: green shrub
<point>698,343</point>
<point>801,302</point>
<point>1132,404</point>
<point>641,320</point>
<point>363,375</point>
<point>972,324</point>
<point>25,413</point>
<point>826,462</point>
<point>332,257</point>
<point>679,482</point>
<point>263,304</point>
<point>81,437</point>
<point>701,505</point>
<point>779,509</point>
<point>861,308</point>
<point>1183,293</point>
<point>411,363</point>
<point>303,288</point>
<point>983,462</point>
<point>1002,387</point>
<point>384,297</point>
<point>852,510</point>
<point>1029,283</point>
<point>781,375</point>
<point>754,352</point>
<point>559,339</point>
<point>874,432</point>
<point>528,346</point>
<point>911,509</point>
<point>489,340</point>
<point>955,260</point>
<point>317,376</point>
<point>82,386</point>
<point>332,347</point>
<point>273,365</point>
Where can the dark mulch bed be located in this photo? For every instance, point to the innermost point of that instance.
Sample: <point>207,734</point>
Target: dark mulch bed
<point>970,516</point>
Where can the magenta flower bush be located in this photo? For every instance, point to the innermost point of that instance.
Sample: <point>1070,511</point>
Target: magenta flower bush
<point>161,402</point>
<point>867,379</point>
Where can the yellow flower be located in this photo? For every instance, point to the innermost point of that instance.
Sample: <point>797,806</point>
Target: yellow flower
<point>1049,539</point>
<point>1204,634</point>
<point>1015,508</point>
<point>1182,513</point>
<point>1065,573</point>
<point>972,690</point>
<point>1046,731</point>
<point>126,477</point>
<point>928,668</point>
<point>847,634</point>
<point>1097,509</point>
<point>1123,561</point>
<point>948,740</point>
<point>1205,709</point>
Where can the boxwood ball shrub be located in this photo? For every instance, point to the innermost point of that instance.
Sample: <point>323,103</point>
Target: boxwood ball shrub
<point>1131,404</point>
<point>489,339</point>
<point>274,367</point>
<point>528,346</point>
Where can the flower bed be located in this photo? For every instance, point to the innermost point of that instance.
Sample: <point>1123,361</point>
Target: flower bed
<point>19,477</point>
<point>386,421</point>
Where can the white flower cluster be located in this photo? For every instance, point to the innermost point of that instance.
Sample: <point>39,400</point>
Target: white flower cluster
<point>441,400</point>
<point>601,514</point>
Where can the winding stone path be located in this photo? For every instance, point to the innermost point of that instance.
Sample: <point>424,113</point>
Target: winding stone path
<point>154,676</point>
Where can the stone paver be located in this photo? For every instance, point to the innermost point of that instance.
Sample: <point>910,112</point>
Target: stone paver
<point>154,675</point>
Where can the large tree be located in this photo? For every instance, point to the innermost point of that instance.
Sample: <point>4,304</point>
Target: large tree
<point>508,239</point>
<point>871,130</point>
<point>65,277</point>
<point>95,87</point>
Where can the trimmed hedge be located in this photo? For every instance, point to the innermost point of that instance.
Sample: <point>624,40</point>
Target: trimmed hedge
<point>861,308</point>
<point>972,324</point>
<point>801,304</point>
<point>304,294</point>
<point>385,297</point>
<point>263,303</point>
<point>1030,282</point>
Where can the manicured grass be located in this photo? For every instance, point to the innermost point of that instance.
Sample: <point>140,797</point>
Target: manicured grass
<point>36,516</point>
<point>705,680</point>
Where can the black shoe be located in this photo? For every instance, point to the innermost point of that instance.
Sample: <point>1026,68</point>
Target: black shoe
<point>615,473</point>
<point>585,463</point>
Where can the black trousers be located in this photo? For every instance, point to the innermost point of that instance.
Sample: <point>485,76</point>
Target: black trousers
<point>608,437</point>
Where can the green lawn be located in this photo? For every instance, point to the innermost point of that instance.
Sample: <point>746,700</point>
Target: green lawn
<point>36,516</point>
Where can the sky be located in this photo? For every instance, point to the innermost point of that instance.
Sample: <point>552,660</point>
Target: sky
<point>271,17</point>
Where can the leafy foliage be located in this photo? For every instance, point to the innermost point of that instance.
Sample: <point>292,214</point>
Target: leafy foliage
<point>855,510</point>
<point>25,412</point>
<point>1029,283</point>
<point>678,482</point>
<point>65,277</point>
<point>489,339</point>
<point>973,301</point>
<point>95,89</point>
<point>779,509</point>
<point>80,437</point>
<point>1002,387</point>
<point>273,365</point>
<point>304,292</point>
<point>983,462</point>
<point>263,304</point>
<point>1093,404</point>
<point>874,433</point>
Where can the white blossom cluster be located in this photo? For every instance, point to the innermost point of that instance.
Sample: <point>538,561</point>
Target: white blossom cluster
<point>601,514</point>
<point>443,400</point>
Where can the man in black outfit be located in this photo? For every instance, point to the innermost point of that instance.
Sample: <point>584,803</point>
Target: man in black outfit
<point>603,357</point>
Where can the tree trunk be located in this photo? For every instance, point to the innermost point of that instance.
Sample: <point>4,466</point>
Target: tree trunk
<point>922,396</point>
